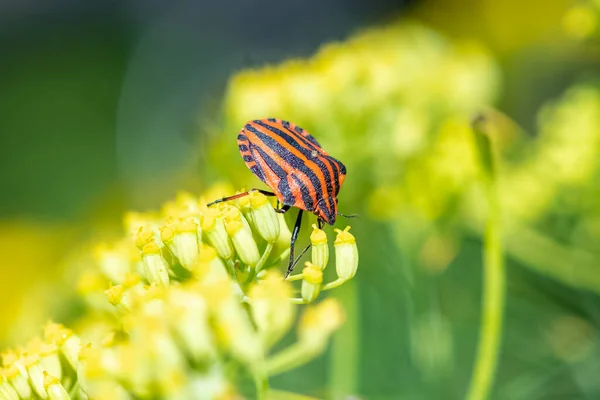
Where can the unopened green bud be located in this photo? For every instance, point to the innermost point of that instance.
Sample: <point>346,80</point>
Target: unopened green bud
<point>211,222</point>
<point>48,353</point>
<point>53,387</point>
<point>271,311</point>
<point>209,266</point>
<point>156,268</point>
<point>182,239</point>
<point>114,260</point>
<point>68,343</point>
<point>264,217</point>
<point>320,247</point>
<point>120,297</point>
<point>243,204</point>
<point>319,322</point>
<point>242,239</point>
<point>15,372</point>
<point>312,280</point>
<point>35,372</point>
<point>189,314</point>
<point>282,244</point>
<point>7,392</point>
<point>346,254</point>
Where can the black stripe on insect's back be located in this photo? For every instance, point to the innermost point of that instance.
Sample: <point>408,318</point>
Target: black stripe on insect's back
<point>306,199</point>
<point>292,135</point>
<point>290,158</point>
<point>300,163</point>
<point>297,131</point>
<point>336,177</point>
<point>243,147</point>
<point>283,186</point>
<point>332,186</point>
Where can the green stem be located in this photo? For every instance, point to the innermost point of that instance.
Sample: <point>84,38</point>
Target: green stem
<point>344,352</point>
<point>261,381</point>
<point>263,259</point>
<point>284,255</point>
<point>334,284</point>
<point>254,270</point>
<point>289,358</point>
<point>230,267</point>
<point>493,285</point>
<point>293,278</point>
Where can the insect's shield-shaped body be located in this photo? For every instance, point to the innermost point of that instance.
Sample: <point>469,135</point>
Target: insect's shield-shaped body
<point>294,165</point>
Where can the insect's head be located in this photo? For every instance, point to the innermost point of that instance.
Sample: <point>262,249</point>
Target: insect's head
<point>327,209</point>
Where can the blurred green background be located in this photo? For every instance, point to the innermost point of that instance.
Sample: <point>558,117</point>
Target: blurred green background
<point>111,106</point>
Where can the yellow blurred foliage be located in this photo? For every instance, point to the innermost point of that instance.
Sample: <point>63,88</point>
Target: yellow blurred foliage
<point>30,260</point>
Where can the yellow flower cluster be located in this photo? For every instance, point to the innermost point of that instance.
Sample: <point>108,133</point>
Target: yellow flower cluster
<point>186,304</point>
<point>393,103</point>
<point>581,20</point>
<point>564,156</point>
<point>396,105</point>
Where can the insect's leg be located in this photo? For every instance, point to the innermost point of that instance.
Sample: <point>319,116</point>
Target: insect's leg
<point>283,209</point>
<point>348,215</point>
<point>320,223</point>
<point>298,258</point>
<point>293,243</point>
<point>237,196</point>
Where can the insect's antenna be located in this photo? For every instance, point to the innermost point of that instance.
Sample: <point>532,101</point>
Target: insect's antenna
<point>349,215</point>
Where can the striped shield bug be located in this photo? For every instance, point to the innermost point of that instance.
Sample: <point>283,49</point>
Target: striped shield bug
<point>296,168</point>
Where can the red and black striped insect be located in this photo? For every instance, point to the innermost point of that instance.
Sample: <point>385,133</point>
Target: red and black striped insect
<point>294,165</point>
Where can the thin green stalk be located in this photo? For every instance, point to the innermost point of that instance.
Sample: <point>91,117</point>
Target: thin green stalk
<point>265,256</point>
<point>345,346</point>
<point>493,282</point>
<point>296,277</point>
<point>261,381</point>
<point>256,269</point>
<point>295,355</point>
<point>332,285</point>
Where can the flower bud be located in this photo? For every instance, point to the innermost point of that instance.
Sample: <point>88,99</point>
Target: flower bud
<point>15,372</point>
<point>271,311</point>
<point>188,313</point>
<point>120,297</point>
<point>31,362</point>
<point>144,235</point>
<point>312,280</point>
<point>68,343</point>
<point>181,238</point>
<point>209,267</point>
<point>320,247</point>
<point>114,261</point>
<point>318,323</point>
<point>231,323</point>
<point>346,254</point>
<point>53,387</point>
<point>158,357</point>
<point>211,222</point>
<point>241,236</point>
<point>282,244</point>
<point>7,392</point>
<point>156,269</point>
<point>264,217</point>
<point>48,353</point>
<point>132,221</point>
<point>243,204</point>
